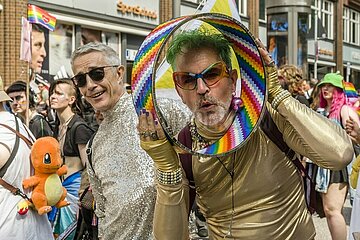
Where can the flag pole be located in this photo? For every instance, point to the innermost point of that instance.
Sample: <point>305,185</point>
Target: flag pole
<point>30,75</point>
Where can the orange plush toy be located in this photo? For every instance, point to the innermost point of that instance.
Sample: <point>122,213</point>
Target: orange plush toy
<point>48,190</point>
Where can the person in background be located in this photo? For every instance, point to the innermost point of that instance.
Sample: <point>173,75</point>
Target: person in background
<point>256,191</point>
<point>22,105</point>
<point>38,52</point>
<point>122,174</point>
<point>333,184</point>
<point>73,134</point>
<point>291,77</point>
<point>12,224</point>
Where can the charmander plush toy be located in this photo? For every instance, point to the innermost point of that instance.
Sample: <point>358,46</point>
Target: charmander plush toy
<point>48,190</point>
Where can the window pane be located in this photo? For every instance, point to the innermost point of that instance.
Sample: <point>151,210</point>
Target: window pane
<point>60,49</point>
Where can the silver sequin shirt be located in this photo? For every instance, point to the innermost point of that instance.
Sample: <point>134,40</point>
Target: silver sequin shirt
<point>123,181</point>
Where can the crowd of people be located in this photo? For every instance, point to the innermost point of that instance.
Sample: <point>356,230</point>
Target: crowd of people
<point>125,179</point>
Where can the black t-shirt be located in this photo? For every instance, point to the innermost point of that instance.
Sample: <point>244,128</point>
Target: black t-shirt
<point>78,132</point>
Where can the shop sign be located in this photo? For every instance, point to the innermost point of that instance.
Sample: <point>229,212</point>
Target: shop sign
<point>136,10</point>
<point>355,55</point>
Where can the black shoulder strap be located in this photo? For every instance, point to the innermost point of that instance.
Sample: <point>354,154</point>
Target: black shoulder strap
<point>89,150</point>
<point>186,162</point>
<point>271,130</point>
<point>14,151</point>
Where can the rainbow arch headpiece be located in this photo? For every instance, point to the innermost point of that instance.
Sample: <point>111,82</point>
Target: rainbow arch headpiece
<point>252,72</point>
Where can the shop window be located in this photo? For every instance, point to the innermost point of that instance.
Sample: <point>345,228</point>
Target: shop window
<point>92,35</point>
<point>277,42</point>
<point>60,50</point>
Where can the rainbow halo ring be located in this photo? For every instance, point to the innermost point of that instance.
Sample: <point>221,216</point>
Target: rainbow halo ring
<point>252,72</point>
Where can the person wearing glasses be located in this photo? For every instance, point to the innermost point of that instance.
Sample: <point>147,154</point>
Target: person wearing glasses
<point>121,173</point>
<point>73,133</point>
<point>256,191</point>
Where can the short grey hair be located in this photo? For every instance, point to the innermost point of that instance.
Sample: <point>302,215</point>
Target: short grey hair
<point>111,56</point>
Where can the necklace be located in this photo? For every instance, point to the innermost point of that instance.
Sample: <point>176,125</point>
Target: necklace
<point>196,137</point>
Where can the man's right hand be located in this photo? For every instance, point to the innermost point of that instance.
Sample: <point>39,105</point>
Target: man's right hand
<point>155,143</point>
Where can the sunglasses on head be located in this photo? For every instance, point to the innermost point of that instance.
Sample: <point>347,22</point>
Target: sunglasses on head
<point>211,75</point>
<point>96,74</point>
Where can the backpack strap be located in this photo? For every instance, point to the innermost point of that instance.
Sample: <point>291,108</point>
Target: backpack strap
<point>269,127</point>
<point>15,149</point>
<point>186,162</point>
<point>89,150</point>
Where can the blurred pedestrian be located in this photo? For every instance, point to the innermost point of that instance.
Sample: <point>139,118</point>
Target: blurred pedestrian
<point>15,166</point>
<point>72,134</point>
<point>292,80</point>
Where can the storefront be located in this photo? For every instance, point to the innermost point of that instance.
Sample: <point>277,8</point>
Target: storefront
<point>121,24</point>
<point>352,64</point>
<point>323,59</point>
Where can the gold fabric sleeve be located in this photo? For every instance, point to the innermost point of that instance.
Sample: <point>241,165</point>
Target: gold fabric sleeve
<point>313,135</point>
<point>171,217</point>
<point>163,154</point>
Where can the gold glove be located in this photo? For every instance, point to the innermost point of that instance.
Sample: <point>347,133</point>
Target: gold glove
<point>355,173</point>
<point>163,154</point>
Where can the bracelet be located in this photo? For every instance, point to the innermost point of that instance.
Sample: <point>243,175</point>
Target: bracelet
<point>169,178</point>
<point>279,98</point>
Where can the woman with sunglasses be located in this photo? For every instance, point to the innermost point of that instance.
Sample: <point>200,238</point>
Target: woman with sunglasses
<point>73,133</point>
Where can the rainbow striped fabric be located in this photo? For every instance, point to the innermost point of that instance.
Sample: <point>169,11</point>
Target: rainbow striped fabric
<point>350,92</point>
<point>40,16</point>
<point>252,72</point>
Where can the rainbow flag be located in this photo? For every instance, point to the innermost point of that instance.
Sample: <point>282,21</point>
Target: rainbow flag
<point>40,16</point>
<point>350,92</point>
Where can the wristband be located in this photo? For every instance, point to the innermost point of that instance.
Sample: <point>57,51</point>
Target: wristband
<point>169,178</point>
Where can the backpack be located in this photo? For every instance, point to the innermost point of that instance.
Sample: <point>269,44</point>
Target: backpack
<point>270,129</point>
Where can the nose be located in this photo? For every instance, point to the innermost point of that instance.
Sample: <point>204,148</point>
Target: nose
<point>43,52</point>
<point>202,88</point>
<point>90,84</point>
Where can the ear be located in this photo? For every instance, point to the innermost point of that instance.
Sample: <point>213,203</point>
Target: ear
<point>233,77</point>
<point>120,71</point>
<point>72,99</point>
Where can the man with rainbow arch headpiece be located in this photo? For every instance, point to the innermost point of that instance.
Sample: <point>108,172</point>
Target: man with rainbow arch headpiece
<point>254,192</point>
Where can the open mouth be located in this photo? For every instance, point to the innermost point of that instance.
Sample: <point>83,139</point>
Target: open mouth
<point>97,94</point>
<point>206,105</point>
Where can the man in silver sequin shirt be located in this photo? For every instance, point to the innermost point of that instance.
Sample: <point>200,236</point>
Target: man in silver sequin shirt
<point>122,174</point>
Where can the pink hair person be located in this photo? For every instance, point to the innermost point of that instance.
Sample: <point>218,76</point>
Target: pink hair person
<point>337,102</point>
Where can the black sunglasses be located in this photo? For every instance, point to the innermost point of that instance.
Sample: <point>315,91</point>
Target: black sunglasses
<point>96,74</point>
